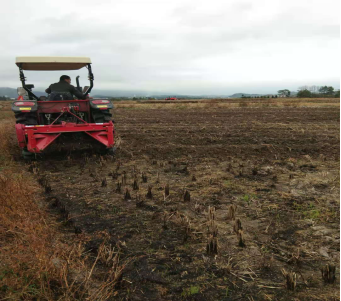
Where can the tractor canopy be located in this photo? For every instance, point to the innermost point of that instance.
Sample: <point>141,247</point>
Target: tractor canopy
<point>51,63</point>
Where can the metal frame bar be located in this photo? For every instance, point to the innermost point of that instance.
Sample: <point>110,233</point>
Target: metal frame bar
<point>91,79</point>
<point>78,85</point>
<point>67,110</point>
<point>22,79</point>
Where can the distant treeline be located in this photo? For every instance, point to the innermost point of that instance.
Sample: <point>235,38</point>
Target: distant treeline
<point>317,91</point>
<point>312,92</point>
<point>260,96</point>
<point>152,98</point>
<point>4,98</point>
<point>304,91</point>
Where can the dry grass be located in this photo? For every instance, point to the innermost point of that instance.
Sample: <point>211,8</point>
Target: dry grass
<point>26,239</point>
<point>7,145</point>
<point>26,236</point>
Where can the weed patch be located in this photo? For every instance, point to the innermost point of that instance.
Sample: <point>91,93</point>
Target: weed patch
<point>187,292</point>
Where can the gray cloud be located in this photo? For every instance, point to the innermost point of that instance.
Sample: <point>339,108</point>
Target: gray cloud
<point>181,46</point>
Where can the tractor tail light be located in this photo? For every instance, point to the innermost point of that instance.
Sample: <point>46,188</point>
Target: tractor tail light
<point>24,103</point>
<point>97,102</point>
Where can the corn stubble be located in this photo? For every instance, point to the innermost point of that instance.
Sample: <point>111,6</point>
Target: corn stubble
<point>136,185</point>
<point>144,177</point>
<point>187,196</point>
<point>167,190</point>
<point>237,226</point>
<point>127,196</point>
<point>241,239</point>
<point>231,215</point>
<point>118,187</point>
<point>149,194</point>
<point>328,273</point>
<point>290,279</point>
<point>104,182</point>
<point>212,233</point>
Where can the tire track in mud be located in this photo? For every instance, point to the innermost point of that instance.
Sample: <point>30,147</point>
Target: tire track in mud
<point>223,158</point>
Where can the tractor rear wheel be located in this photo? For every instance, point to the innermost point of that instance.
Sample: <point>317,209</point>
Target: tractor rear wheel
<point>26,118</point>
<point>101,116</point>
<point>111,151</point>
<point>28,156</point>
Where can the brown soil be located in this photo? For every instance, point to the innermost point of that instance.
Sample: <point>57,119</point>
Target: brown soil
<point>278,165</point>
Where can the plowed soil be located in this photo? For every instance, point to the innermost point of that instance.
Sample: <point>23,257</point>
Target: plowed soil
<point>279,167</point>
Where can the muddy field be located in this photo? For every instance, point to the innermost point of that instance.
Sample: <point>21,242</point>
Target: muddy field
<point>209,203</point>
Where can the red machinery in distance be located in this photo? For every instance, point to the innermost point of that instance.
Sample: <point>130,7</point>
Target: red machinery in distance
<point>171,98</point>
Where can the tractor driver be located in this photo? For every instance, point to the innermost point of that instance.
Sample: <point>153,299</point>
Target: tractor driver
<point>64,86</point>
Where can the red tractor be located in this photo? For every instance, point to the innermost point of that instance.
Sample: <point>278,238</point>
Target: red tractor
<point>42,120</point>
<point>171,98</point>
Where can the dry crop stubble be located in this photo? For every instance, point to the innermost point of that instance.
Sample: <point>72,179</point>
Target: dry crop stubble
<point>265,161</point>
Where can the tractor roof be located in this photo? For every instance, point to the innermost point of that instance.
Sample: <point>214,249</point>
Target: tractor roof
<point>51,62</point>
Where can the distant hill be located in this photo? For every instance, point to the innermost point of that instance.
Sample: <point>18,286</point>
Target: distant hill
<point>160,95</point>
<point>12,93</point>
<point>118,93</point>
<point>9,92</point>
<point>239,95</point>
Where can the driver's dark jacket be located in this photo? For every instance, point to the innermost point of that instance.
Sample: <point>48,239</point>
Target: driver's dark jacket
<point>64,86</point>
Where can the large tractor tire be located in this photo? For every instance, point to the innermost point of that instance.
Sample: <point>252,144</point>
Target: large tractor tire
<point>26,118</point>
<point>101,116</point>
<point>28,156</point>
<point>111,151</point>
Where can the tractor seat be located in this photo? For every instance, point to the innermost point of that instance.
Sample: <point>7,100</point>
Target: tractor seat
<point>60,96</point>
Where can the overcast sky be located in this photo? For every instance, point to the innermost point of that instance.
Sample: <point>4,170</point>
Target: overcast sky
<point>180,46</point>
